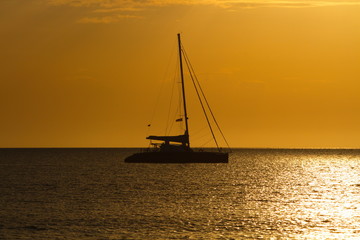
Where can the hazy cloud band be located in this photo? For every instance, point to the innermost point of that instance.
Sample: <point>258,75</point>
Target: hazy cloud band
<point>114,10</point>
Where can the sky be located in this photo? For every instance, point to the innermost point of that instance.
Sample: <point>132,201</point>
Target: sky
<point>89,73</point>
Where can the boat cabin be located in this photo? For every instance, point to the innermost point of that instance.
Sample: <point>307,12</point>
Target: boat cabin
<point>166,146</point>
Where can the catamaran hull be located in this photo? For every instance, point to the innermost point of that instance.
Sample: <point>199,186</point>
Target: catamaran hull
<point>178,157</point>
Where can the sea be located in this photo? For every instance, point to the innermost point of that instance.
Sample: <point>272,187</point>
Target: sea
<point>259,194</point>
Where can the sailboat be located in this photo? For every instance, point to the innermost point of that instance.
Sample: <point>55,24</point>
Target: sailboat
<point>176,149</point>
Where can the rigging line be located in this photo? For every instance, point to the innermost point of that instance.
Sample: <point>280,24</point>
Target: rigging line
<point>203,140</point>
<point>206,143</point>
<point>177,113</point>
<point>207,103</point>
<point>174,119</point>
<point>170,105</point>
<point>162,86</point>
<point>198,131</point>
<point>202,105</point>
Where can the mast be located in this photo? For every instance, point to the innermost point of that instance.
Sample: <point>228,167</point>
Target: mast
<point>183,92</point>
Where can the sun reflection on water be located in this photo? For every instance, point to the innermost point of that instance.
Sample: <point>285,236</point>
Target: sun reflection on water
<point>314,195</point>
<point>327,197</point>
<point>260,194</point>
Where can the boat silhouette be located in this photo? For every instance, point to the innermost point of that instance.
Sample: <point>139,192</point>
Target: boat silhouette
<point>176,149</point>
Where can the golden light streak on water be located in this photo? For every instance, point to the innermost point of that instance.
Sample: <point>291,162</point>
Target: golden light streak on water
<point>260,194</point>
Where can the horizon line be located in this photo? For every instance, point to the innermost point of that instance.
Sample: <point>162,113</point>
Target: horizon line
<point>233,148</point>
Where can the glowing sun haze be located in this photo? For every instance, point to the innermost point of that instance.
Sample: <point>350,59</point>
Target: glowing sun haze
<point>86,73</point>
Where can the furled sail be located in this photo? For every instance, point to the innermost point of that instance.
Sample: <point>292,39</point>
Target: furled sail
<point>184,139</point>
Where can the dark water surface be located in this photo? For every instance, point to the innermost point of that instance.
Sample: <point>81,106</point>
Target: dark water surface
<point>260,194</point>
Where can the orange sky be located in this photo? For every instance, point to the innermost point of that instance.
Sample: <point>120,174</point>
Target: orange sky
<point>87,73</point>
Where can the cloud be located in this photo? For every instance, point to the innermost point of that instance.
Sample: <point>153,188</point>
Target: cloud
<point>106,19</point>
<point>235,4</point>
<point>108,11</point>
<point>120,9</point>
<point>135,4</point>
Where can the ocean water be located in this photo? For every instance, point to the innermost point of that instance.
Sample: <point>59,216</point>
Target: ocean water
<point>260,194</point>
